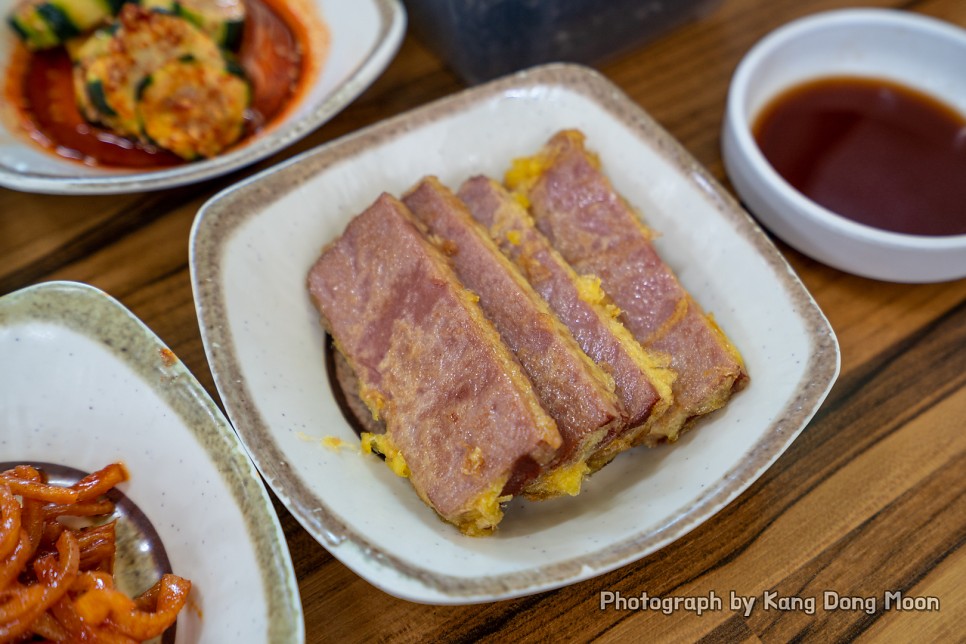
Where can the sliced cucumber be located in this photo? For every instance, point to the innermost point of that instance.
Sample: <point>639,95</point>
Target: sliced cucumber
<point>111,69</point>
<point>95,93</point>
<point>43,24</point>
<point>83,52</point>
<point>232,32</point>
<point>223,20</point>
<point>193,108</point>
<point>84,49</point>
<point>33,30</point>
<point>109,84</point>
<point>159,78</point>
<point>233,65</point>
<point>59,22</point>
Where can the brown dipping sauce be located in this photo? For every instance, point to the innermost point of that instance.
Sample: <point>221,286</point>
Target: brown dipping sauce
<point>871,150</point>
<point>270,54</point>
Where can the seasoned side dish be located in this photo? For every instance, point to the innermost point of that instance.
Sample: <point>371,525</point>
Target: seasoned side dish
<point>155,73</point>
<point>223,20</point>
<point>168,80</point>
<point>514,340</point>
<point>43,24</point>
<point>56,579</point>
<point>157,77</point>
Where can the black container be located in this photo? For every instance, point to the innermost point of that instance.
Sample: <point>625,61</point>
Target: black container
<point>483,39</point>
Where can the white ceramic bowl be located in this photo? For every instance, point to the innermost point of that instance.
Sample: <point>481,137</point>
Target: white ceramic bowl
<point>920,52</point>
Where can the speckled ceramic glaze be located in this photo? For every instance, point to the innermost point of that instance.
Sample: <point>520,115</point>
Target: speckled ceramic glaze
<point>253,244</point>
<point>84,384</point>
<point>363,37</point>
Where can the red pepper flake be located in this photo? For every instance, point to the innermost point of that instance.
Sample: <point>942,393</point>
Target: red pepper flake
<point>168,357</point>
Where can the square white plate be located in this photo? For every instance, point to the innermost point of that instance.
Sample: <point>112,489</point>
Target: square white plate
<point>363,38</point>
<point>253,244</point>
<point>84,383</point>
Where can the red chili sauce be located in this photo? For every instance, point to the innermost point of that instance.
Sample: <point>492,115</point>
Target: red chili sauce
<point>873,151</point>
<point>270,54</point>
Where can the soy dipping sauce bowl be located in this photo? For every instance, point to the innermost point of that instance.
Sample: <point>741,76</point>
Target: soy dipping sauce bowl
<point>921,53</point>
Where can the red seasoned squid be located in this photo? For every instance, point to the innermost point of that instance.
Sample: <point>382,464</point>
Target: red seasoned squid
<point>56,582</point>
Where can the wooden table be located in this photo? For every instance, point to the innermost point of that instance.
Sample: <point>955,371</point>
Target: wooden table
<point>870,498</point>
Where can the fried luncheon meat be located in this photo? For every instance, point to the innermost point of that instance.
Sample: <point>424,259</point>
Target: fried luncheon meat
<point>513,340</point>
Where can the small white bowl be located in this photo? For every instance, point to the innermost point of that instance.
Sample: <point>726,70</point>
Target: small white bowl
<point>919,52</point>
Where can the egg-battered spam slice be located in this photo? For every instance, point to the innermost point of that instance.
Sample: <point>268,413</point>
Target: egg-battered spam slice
<point>193,108</point>
<point>576,207</point>
<point>142,42</point>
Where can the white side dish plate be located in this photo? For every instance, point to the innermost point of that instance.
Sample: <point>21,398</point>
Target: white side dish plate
<point>363,37</point>
<point>253,244</point>
<point>84,384</point>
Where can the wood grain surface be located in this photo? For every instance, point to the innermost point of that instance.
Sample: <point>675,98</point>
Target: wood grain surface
<point>868,500</point>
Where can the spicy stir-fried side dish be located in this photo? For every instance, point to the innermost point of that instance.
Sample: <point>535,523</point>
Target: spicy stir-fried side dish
<point>56,582</point>
<point>156,73</point>
<point>515,339</point>
<point>173,80</point>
